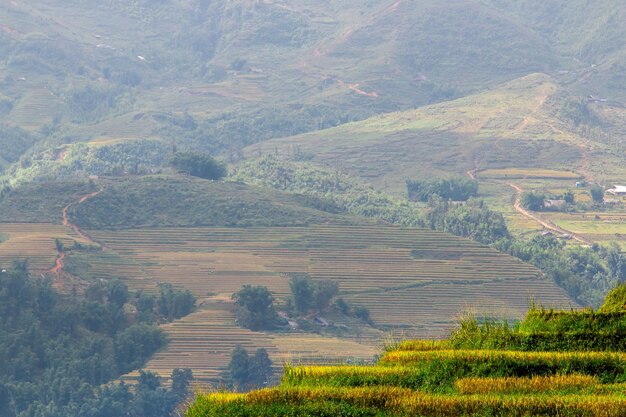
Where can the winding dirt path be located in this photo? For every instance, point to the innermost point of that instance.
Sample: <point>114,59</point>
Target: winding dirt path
<point>536,217</point>
<point>59,263</point>
<point>66,219</point>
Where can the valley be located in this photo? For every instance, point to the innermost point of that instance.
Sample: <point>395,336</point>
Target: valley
<point>319,117</point>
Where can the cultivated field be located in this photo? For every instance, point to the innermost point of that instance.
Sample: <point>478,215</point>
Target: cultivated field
<point>599,227</point>
<point>373,265</point>
<point>415,283</point>
<point>34,243</point>
<point>517,173</point>
<point>491,369</point>
<point>204,340</point>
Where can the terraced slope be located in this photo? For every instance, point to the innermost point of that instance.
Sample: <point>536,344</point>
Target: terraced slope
<point>33,242</point>
<point>553,363</point>
<point>414,281</point>
<point>204,340</point>
<point>373,264</point>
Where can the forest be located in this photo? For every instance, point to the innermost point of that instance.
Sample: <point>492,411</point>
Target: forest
<point>60,353</point>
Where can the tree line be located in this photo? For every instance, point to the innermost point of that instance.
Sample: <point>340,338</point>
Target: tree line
<point>256,308</point>
<point>58,351</point>
<point>585,273</point>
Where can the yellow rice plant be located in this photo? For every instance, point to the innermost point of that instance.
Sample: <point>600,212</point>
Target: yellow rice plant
<point>415,403</point>
<point>301,372</point>
<point>535,384</point>
<point>421,345</point>
<point>225,397</point>
<point>377,397</point>
<point>408,357</point>
<point>529,405</point>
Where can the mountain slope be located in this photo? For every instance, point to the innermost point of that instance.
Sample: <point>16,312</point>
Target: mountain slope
<point>526,123</point>
<point>232,73</point>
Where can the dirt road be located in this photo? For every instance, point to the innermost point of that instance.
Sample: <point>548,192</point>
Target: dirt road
<point>59,263</point>
<point>536,217</point>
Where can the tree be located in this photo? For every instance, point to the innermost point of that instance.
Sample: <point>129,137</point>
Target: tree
<point>302,292</point>
<point>152,400</point>
<point>308,294</point>
<point>323,292</point>
<point>148,380</point>
<point>118,292</point>
<point>456,189</point>
<point>597,193</point>
<point>239,367</point>
<point>198,165</point>
<point>260,370</point>
<point>569,197</point>
<point>616,262</point>
<point>362,312</point>
<point>255,307</point>
<point>532,201</point>
<point>180,382</point>
<point>173,303</point>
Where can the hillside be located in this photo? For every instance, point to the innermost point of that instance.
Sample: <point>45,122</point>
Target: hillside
<point>319,112</point>
<point>405,278</point>
<point>212,237</point>
<point>229,74</point>
<point>521,124</point>
<point>552,363</point>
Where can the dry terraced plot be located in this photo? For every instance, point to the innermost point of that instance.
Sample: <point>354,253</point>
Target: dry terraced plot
<point>414,281</point>
<point>33,242</point>
<point>204,340</point>
<point>421,270</point>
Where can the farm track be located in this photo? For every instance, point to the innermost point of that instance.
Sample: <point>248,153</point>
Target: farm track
<point>544,223</point>
<point>59,263</point>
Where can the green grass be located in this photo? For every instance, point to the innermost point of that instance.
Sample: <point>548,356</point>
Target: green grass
<point>306,69</point>
<point>164,200</point>
<point>451,137</point>
<point>40,203</point>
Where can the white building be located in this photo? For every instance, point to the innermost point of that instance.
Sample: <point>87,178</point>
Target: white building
<point>617,190</point>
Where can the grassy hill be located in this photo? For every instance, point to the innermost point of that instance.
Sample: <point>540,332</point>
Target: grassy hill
<point>526,123</point>
<point>186,201</point>
<point>553,363</point>
<point>165,200</point>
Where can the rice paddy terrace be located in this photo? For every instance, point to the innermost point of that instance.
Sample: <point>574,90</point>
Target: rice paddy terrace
<point>553,363</point>
<point>413,281</point>
<point>33,242</point>
<point>371,263</point>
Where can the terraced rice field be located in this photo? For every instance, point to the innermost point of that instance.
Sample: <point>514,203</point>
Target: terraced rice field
<point>513,173</point>
<point>36,109</point>
<point>33,242</point>
<point>413,281</point>
<point>204,340</point>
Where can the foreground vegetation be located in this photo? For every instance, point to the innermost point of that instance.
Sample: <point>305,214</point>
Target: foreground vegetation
<point>483,369</point>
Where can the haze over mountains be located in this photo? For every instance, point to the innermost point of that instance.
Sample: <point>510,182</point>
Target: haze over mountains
<point>329,124</point>
<point>133,78</point>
